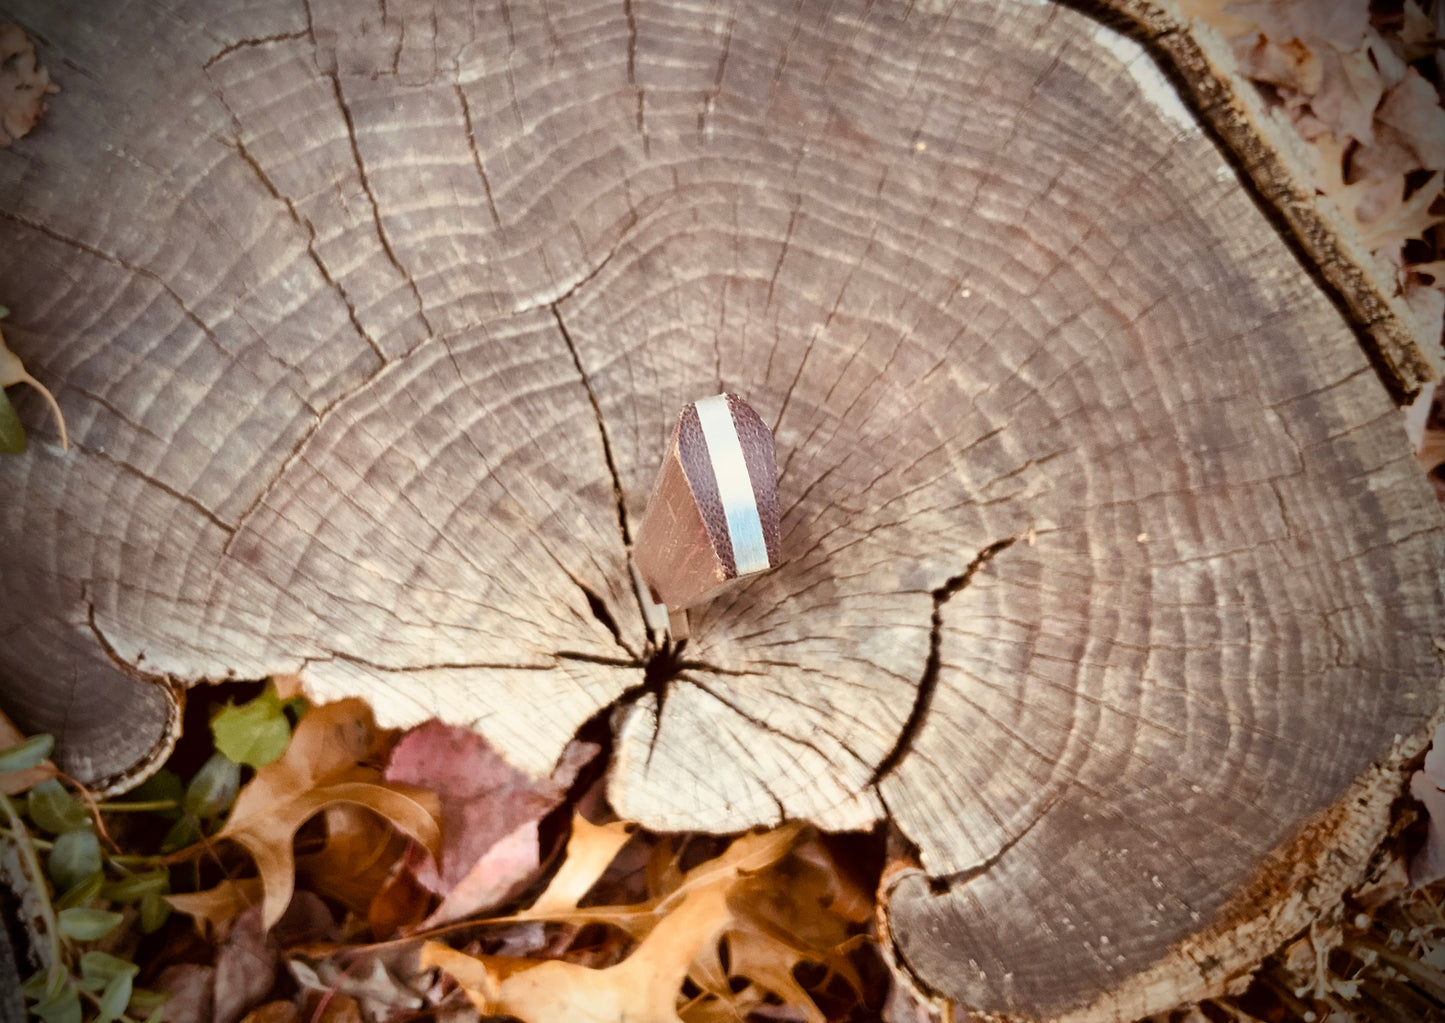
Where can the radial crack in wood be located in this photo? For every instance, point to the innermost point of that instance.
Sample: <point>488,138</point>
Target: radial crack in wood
<point>1107,574</point>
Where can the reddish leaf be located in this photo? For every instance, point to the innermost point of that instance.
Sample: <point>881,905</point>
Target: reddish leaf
<point>483,801</point>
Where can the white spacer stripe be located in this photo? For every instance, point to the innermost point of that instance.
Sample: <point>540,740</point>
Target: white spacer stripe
<point>734,485</point>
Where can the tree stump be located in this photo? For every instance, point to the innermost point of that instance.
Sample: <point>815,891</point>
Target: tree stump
<point>1107,575</point>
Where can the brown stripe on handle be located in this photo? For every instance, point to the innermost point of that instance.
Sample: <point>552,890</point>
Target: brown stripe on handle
<point>696,462</point>
<point>685,551</point>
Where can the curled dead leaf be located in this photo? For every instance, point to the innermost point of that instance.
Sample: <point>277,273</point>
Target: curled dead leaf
<point>731,932</point>
<point>357,859</point>
<point>590,849</point>
<point>213,909</point>
<point>12,370</point>
<point>643,988</point>
<point>327,764</point>
<point>267,831</point>
<point>24,84</point>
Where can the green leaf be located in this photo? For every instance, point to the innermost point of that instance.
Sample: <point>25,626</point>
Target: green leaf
<point>37,985</point>
<point>154,912</point>
<point>182,833</point>
<point>82,893</point>
<point>74,858</point>
<point>29,753</point>
<point>81,924</point>
<point>54,810</point>
<point>145,1002</point>
<point>214,788</point>
<point>132,888</point>
<point>98,969</point>
<point>62,1006</point>
<point>253,733</point>
<point>163,786</point>
<point>12,434</point>
<point>115,999</point>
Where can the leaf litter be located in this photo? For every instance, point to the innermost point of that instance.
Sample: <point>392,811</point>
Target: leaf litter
<point>370,875</point>
<point>1361,98</point>
<point>1359,81</point>
<point>312,890</point>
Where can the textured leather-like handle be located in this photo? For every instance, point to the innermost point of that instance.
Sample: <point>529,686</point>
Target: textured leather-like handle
<point>713,514</point>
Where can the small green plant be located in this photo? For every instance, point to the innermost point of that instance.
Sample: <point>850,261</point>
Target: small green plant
<point>90,900</point>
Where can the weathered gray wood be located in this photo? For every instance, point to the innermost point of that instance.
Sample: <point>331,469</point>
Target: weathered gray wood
<point>1107,574</point>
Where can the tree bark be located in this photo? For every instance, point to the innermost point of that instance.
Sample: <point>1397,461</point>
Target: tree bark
<point>1107,573</point>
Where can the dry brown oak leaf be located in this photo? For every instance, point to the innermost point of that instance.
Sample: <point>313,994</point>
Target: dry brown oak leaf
<point>324,768</point>
<point>774,900</point>
<point>1108,574</point>
<point>24,84</point>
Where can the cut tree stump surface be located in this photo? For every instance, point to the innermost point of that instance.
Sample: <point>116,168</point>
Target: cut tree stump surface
<point>1107,574</point>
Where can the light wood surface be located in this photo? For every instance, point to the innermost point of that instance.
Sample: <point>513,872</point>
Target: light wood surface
<point>1107,573</point>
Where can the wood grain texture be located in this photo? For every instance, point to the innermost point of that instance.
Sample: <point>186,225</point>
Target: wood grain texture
<point>1106,571</point>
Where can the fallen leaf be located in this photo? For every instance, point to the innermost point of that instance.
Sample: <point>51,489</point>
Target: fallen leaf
<point>643,988</point>
<point>1340,23</point>
<point>472,974</point>
<point>361,976</point>
<point>1381,224</point>
<point>484,802</point>
<point>246,965</point>
<point>1392,67</point>
<point>188,988</point>
<point>1318,60</point>
<point>213,909</point>
<point>1427,302</point>
<point>1389,223</point>
<point>339,1009</point>
<point>1349,91</point>
<point>400,904</point>
<point>24,84</point>
<point>1289,65</point>
<point>322,767</point>
<point>678,932</point>
<point>590,848</point>
<point>1428,786</point>
<point>12,370</point>
<point>1219,15</point>
<point>359,856</point>
<point>501,873</point>
<point>330,737</point>
<point>273,1012</point>
<point>1418,36</point>
<point>1412,108</point>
